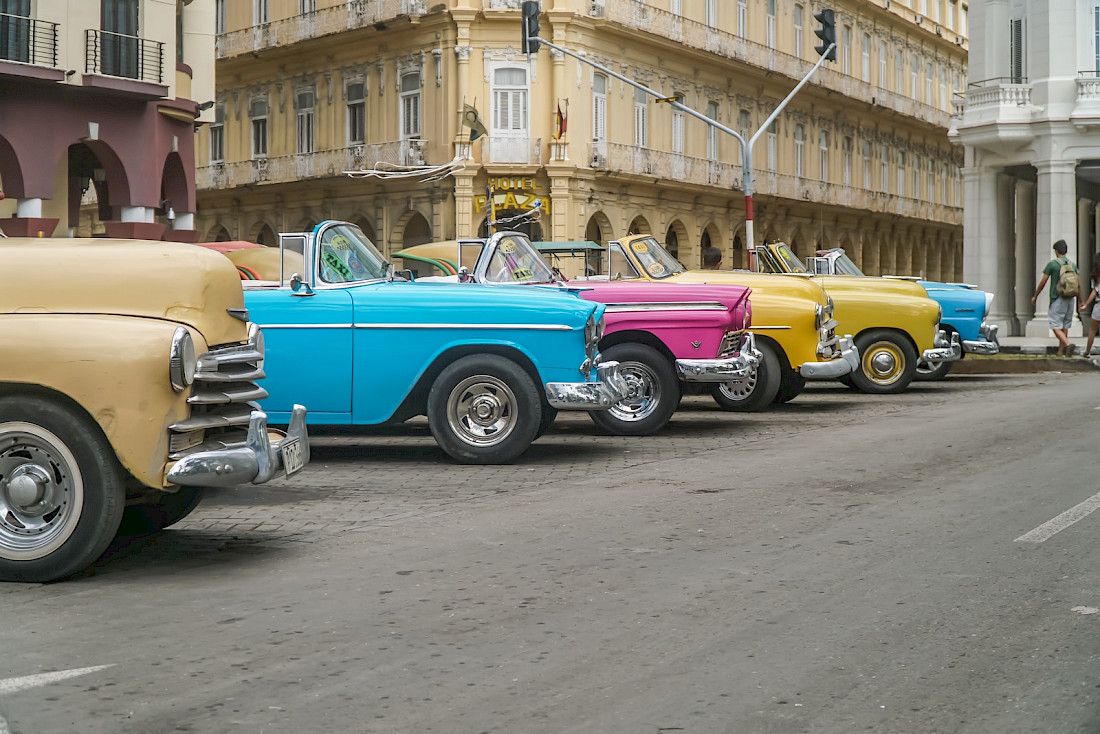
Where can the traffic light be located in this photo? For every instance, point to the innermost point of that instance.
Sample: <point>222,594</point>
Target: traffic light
<point>827,34</point>
<point>530,27</point>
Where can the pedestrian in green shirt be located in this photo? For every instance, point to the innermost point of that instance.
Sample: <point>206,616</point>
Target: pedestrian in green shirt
<point>1060,314</point>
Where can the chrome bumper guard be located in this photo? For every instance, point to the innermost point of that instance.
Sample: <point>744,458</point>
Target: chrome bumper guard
<point>608,388</point>
<point>258,461</point>
<point>946,350</point>
<point>847,362</point>
<point>988,344</point>
<point>734,368</point>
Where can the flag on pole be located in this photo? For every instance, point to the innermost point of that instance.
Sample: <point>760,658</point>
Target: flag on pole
<point>561,121</point>
<point>472,120</point>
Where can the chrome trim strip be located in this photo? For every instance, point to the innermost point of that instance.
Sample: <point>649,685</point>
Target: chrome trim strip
<point>608,389</point>
<point>680,306</point>
<point>527,327</point>
<point>758,328</point>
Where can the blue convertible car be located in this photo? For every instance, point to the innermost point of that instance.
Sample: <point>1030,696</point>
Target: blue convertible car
<point>964,310</point>
<point>363,346</point>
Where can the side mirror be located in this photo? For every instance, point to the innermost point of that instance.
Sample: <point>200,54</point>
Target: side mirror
<point>405,275</point>
<point>464,275</point>
<point>298,287</point>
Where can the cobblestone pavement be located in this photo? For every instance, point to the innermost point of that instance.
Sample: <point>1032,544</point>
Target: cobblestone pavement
<point>356,482</point>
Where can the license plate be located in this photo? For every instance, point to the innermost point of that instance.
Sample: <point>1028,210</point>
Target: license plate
<point>292,456</point>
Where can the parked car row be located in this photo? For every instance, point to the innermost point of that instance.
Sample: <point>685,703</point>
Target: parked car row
<point>181,369</point>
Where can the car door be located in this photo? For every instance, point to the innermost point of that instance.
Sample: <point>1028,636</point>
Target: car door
<point>308,339</point>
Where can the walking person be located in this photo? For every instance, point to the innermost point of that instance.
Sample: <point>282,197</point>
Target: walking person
<point>1064,287</point>
<point>1093,300</point>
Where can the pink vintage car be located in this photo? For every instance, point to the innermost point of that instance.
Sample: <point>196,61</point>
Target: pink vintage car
<point>662,334</point>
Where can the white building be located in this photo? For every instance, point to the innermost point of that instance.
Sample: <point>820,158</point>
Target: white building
<point>1030,125</point>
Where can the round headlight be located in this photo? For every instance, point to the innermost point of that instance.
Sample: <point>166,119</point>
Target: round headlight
<point>181,360</point>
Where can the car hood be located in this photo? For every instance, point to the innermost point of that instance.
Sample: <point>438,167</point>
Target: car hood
<point>763,285</point>
<point>626,291</point>
<point>477,303</point>
<point>869,286</point>
<point>163,280</point>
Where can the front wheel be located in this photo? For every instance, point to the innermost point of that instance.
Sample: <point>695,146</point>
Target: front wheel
<point>654,392</point>
<point>61,490</point>
<point>791,386</point>
<point>755,392</point>
<point>484,409</point>
<point>887,363</point>
<point>931,371</point>
<point>168,510</point>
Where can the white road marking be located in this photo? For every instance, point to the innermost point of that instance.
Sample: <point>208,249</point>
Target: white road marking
<point>13,685</point>
<point>4,726</point>
<point>1063,521</point>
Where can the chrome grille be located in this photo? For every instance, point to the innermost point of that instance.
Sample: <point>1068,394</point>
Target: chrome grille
<point>731,343</point>
<point>222,399</point>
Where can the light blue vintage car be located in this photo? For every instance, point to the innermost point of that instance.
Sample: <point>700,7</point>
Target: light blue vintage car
<point>364,346</point>
<point>964,310</point>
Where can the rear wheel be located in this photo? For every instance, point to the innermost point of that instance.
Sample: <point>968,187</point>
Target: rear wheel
<point>887,362</point>
<point>755,392</point>
<point>168,510</point>
<point>484,409</point>
<point>654,392</point>
<point>791,385</point>
<point>61,490</point>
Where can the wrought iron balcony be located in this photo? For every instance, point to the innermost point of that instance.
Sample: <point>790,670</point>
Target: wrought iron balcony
<point>28,40</point>
<point>117,54</point>
<point>321,22</point>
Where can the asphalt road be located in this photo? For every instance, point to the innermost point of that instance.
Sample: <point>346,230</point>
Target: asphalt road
<point>844,563</point>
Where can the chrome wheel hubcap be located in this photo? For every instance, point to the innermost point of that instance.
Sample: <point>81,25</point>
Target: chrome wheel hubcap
<point>481,410</point>
<point>643,392</point>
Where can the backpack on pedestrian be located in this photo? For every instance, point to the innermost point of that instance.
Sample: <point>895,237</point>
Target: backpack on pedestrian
<point>1068,284</point>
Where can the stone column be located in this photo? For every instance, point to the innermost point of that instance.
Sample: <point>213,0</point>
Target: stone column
<point>560,209</point>
<point>1055,220</point>
<point>1084,232</point>
<point>983,231</point>
<point>1025,251</point>
<point>1004,260</point>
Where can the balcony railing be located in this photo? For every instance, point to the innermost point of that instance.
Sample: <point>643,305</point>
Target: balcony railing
<point>320,22</point>
<point>659,164</point>
<point>319,164</point>
<point>515,150</point>
<point>117,54</point>
<point>642,17</point>
<point>28,40</point>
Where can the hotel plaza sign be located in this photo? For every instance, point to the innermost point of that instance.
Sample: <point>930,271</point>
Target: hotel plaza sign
<point>510,194</point>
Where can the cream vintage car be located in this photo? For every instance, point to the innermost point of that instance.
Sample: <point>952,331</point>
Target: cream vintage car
<point>127,385</point>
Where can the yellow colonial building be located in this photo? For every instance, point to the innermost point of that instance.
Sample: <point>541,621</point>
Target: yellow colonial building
<point>310,89</point>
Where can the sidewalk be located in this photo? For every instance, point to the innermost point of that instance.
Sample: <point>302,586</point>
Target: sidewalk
<point>1025,354</point>
<point>1042,345</point>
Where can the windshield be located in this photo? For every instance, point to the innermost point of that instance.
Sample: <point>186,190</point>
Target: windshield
<point>845,266</point>
<point>790,259</point>
<point>515,260</point>
<point>654,258</point>
<point>348,256</point>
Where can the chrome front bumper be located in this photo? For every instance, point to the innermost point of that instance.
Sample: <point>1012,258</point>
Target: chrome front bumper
<point>608,389</point>
<point>722,369</point>
<point>946,350</point>
<point>258,461</point>
<point>847,362</point>
<point>987,345</point>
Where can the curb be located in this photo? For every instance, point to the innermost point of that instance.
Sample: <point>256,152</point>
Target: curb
<point>1011,364</point>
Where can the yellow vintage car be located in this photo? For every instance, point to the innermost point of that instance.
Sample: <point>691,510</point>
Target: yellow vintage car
<point>893,323</point>
<point>796,336</point>
<point>128,385</point>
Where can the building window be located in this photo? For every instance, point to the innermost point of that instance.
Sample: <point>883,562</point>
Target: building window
<point>257,112</point>
<point>943,183</point>
<point>410,105</point>
<point>899,73</point>
<point>931,180</point>
<point>303,102</point>
<point>770,29</point>
<point>1016,50</point>
<point>943,89</point>
<point>306,6</point>
<point>599,108</point>
<point>510,101</point>
<point>958,177</point>
<point>798,30</point>
<point>846,161</point>
<point>120,43</point>
<point>846,49</point>
<point>952,7</point>
<point>884,171</point>
<point>743,120</point>
<point>261,12</point>
<point>867,165</point>
<point>678,127</point>
<point>799,152</point>
<point>866,51</point>
<point>712,132</point>
<point>916,178</point>
<point>742,17</point>
<point>219,16</point>
<point>823,144</point>
<point>711,18</point>
<point>356,93</point>
<point>773,146</point>
<point>676,7</point>
<point>901,174</point>
<point>641,119</point>
<point>962,20</point>
<point>928,76</point>
<point>1095,41</point>
<point>217,135</point>
<point>914,87</point>
<point>882,64</point>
